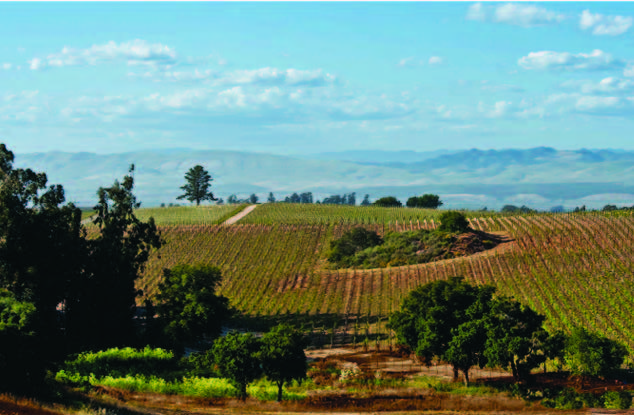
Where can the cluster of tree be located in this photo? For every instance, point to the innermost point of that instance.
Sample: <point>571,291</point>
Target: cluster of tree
<point>427,201</point>
<point>363,248</point>
<point>306,197</point>
<point>47,263</point>
<point>612,208</point>
<point>346,199</point>
<point>515,209</point>
<point>467,326</point>
<point>278,355</point>
<point>388,201</point>
<point>252,199</point>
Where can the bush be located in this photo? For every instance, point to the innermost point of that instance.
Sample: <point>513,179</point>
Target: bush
<point>453,222</point>
<point>117,362</point>
<point>589,354</point>
<point>617,400</point>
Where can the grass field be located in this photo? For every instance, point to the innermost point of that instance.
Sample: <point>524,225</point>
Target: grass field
<point>577,269</point>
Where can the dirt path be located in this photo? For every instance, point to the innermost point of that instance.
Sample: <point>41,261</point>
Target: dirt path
<point>240,215</point>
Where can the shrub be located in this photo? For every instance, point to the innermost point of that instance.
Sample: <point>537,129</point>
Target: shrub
<point>389,201</point>
<point>617,400</point>
<point>352,242</point>
<point>454,222</point>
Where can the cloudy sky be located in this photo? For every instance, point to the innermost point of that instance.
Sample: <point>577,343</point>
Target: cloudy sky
<point>294,78</point>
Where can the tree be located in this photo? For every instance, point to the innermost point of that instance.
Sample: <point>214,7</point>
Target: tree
<point>589,354</point>
<point>253,199</point>
<point>453,222</point>
<point>197,186</point>
<point>271,198</point>
<point>282,356</point>
<point>42,249</point>
<point>236,357</point>
<point>389,201</point>
<point>431,317</point>
<point>515,337</point>
<point>366,201</point>
<point>189,308</point>
<point>232,199</point>
<point>100,309</point>
<point>306,197</point>
<point>428,201</point>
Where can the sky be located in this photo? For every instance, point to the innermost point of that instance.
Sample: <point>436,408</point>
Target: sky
<point>298,78</point>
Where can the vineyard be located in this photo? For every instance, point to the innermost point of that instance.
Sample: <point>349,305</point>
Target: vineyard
<point>188,215</point>
<point>316,214</point>
<point>577,269</point>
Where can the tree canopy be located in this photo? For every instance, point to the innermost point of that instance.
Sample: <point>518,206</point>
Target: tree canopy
<point>189,308</point>
<point>589,354</point>
<point>236,358</point>
<point>453,222</point>
<point>428,201</point>
<point>197,187</point>
<point>282,356</point>
<point>388,201</point>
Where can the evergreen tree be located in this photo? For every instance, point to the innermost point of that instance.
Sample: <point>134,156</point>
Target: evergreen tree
<point>197,186</point>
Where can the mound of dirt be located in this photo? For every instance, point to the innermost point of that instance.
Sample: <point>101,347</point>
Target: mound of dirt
<point>473,242</point>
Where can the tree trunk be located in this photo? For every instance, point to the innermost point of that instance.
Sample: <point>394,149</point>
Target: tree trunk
<point>466,376</point>
<point>455,374</point>
<point>280,386</point>
<point>243,391</point>
<point>514,369</point>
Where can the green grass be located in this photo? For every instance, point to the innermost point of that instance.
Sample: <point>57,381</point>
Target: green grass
<point>190,215</point>
<point>315,214</point>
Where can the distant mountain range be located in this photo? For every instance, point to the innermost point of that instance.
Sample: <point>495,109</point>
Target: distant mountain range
<point>539,177</point>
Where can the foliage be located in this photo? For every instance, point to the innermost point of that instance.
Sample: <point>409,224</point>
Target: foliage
<point>346,199</point>
<point>431,317</point>
<point>351,242</point>
<point>122,362</point>
<point>197,187</point>
<point>236,358</point>
<point>589,354</point>
<point>515,337</point>
<point>617,400</point>
<point>428,201</point>
<point>395,249</point>
<point>188,306</point>
<point>453,222</point>
<point>388,201</point>
<point>366,200</point>
<point>282,356</point>
<point>100,308</point>
<point>271,198</point>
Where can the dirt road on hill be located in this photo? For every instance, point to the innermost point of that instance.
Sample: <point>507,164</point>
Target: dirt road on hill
<point>240,215</point>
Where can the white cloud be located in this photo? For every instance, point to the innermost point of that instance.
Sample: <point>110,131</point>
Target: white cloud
<point>476,12</point>
<point>594,103</point>
<point>435,60</point>
<point>610,85</point>
<point>35,64</point>
<point>525,15</point>
<point>604,25</point>
<point>629,71</point>
<point>518,14</point>
<point>549,60</point>
<point>500,109</point>
<point>6,66</point>
<point>135,52</point>
<point>406,61</point>
<point>273,76</point>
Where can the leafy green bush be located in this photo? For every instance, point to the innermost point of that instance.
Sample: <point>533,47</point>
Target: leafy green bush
<point>117,362</point>
<point>617,400</point>
<point>454,222</point>
<point>351,242</point>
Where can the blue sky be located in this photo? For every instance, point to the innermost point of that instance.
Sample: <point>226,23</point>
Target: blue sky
<point>297,78</point>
